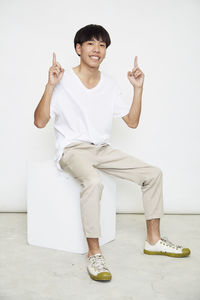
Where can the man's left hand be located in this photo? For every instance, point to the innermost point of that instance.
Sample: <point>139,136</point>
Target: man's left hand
<point>136,77</point>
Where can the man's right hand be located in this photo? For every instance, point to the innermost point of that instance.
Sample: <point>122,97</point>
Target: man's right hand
<point>55,72</point>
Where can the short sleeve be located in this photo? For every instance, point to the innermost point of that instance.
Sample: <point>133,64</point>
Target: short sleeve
<point>121,107</point>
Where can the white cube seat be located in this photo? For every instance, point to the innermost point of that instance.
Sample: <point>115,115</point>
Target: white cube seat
<point>53,209</point>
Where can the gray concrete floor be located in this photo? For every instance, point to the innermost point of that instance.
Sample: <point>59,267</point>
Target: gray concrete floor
<point>36,273</point>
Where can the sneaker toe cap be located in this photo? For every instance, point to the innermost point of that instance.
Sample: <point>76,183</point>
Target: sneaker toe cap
<point>186,251</point>
<point>104,276</point>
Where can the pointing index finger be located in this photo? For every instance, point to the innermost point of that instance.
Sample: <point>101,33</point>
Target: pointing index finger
<point>136,62</point>
<point>54,58</point>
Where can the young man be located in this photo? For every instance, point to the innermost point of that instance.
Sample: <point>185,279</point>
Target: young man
<point>83,102</point>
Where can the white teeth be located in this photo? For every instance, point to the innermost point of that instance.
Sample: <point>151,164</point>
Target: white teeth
<point>94,57</point>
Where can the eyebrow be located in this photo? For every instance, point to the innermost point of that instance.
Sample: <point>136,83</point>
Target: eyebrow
<point>97,41</point>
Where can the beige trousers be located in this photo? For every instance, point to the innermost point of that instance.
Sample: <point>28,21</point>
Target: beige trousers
<point>82,159</point>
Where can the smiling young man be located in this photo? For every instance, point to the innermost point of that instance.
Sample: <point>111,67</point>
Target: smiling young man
<point>83,102</point>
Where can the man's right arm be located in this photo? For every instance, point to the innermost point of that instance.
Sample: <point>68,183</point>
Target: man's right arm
<point>42,111</point>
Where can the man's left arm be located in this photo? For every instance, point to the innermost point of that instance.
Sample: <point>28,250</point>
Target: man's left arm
<point>136,78</point>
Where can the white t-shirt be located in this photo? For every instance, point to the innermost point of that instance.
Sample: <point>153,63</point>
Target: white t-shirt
<point>82,114</point>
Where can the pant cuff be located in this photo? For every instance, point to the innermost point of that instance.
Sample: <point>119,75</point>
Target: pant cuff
<point>92,235</point>
<point>155,217</point>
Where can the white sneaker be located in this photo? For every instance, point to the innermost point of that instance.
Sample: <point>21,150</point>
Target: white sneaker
<point>97,268</point>
<point>165,247</point>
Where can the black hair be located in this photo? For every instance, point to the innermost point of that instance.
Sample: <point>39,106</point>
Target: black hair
<point>89,32</point>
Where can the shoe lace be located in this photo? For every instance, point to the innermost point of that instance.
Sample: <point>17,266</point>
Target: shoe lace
<point>169,243</point>
<point>99,263</point>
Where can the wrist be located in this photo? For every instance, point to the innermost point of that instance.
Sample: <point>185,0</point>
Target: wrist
<point>50,86</point>
<point>138,87</point>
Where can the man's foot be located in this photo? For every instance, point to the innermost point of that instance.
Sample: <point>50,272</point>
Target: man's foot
<point>97,268</point>
<point>165,247</point>
<point>94,252</point>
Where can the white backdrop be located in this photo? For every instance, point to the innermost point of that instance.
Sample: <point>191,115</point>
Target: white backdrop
<point>164,36</point>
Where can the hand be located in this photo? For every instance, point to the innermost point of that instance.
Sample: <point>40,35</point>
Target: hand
<point>55,72</point>
<point>136,77</point>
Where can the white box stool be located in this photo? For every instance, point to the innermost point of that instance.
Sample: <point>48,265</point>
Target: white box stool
<point>53,209</point>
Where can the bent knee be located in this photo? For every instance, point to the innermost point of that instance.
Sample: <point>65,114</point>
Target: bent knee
<point>157,171</point>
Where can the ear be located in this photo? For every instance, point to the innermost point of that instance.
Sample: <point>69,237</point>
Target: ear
<point>78,48</point>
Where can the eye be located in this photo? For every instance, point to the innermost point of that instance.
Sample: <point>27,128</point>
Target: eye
<point>90,43</point>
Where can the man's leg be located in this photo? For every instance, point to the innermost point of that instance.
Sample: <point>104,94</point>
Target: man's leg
<point>149,177</point>
<point>78,160</point>
<point>93,245</point>
<point>120,164</point>
<point>153,230</point>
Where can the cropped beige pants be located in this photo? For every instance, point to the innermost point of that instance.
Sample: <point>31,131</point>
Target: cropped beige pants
<point>82,159</point>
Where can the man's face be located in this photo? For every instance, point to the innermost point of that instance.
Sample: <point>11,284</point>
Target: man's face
<point>92,52</point>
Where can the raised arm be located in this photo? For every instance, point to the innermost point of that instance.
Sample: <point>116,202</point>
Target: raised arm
<point>42,111</point>
<point>136,78</point>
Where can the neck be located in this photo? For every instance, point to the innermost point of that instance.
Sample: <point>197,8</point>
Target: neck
<point>87,72</point>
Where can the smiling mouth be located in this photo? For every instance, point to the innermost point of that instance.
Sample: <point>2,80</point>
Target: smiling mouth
<point>94,58</point>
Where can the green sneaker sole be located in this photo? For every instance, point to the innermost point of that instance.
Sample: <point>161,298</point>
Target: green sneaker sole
<point>185,252</point>
<point>104,276</point>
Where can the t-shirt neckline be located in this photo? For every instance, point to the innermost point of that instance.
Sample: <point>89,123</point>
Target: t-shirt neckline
<point>88,90</point>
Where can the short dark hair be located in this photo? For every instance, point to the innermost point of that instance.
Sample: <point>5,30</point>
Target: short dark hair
<point>89,32</point>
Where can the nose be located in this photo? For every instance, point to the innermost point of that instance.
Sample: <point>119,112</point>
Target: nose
<point>96,47</point>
